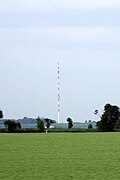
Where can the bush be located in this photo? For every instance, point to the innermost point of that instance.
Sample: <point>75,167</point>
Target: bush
<point>90,126</point>
<point>12,125</point>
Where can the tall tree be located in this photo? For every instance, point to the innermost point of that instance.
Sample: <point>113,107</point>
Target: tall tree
<point>70,123</point>
<point>97,113</point>
<point>40,124</point>
<point>48,122</point>
<point>109,118</point>
<point>1,114</point>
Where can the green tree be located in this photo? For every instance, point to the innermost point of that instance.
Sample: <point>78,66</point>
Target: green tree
<point>40,124</point>
<point>117,124</point>
<point>109,118</point>
<point>48,122</point>
<point>18,125</point>
<point>12,125</point>
<point>90,126</point>
<point>97,113</point>
<point>1,114</point>
<point>70,123</point>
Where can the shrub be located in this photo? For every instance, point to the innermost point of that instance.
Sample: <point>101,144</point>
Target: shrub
<point>12,125</point>
<point>90,126</point>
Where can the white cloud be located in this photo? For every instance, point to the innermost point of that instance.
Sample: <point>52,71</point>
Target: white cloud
<point>41,5</point>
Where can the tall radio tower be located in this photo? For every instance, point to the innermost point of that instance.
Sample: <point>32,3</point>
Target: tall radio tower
<point>58,93</point>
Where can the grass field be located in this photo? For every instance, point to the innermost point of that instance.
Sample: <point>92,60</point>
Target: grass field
<point>60,156</point>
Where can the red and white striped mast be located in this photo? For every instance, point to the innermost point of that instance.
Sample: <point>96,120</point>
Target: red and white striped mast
<point>58,121</point>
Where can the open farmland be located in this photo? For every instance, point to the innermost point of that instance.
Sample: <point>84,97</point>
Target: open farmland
<point>56,156</point>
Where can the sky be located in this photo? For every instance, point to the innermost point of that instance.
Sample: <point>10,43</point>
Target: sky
<point>83,36</point>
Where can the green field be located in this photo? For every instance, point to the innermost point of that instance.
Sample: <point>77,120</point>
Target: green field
<point>59,156</point>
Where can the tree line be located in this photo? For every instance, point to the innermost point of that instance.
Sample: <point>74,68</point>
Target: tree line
<point>109,121</point>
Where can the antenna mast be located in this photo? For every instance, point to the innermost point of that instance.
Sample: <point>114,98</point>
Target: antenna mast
<point>58,93</point>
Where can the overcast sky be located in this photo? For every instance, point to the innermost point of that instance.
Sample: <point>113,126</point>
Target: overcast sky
<point>83,36</point>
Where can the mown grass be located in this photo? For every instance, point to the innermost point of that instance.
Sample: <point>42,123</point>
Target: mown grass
<point>60,156</point>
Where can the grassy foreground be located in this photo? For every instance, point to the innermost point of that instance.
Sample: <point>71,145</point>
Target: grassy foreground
<point>60,156</point>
